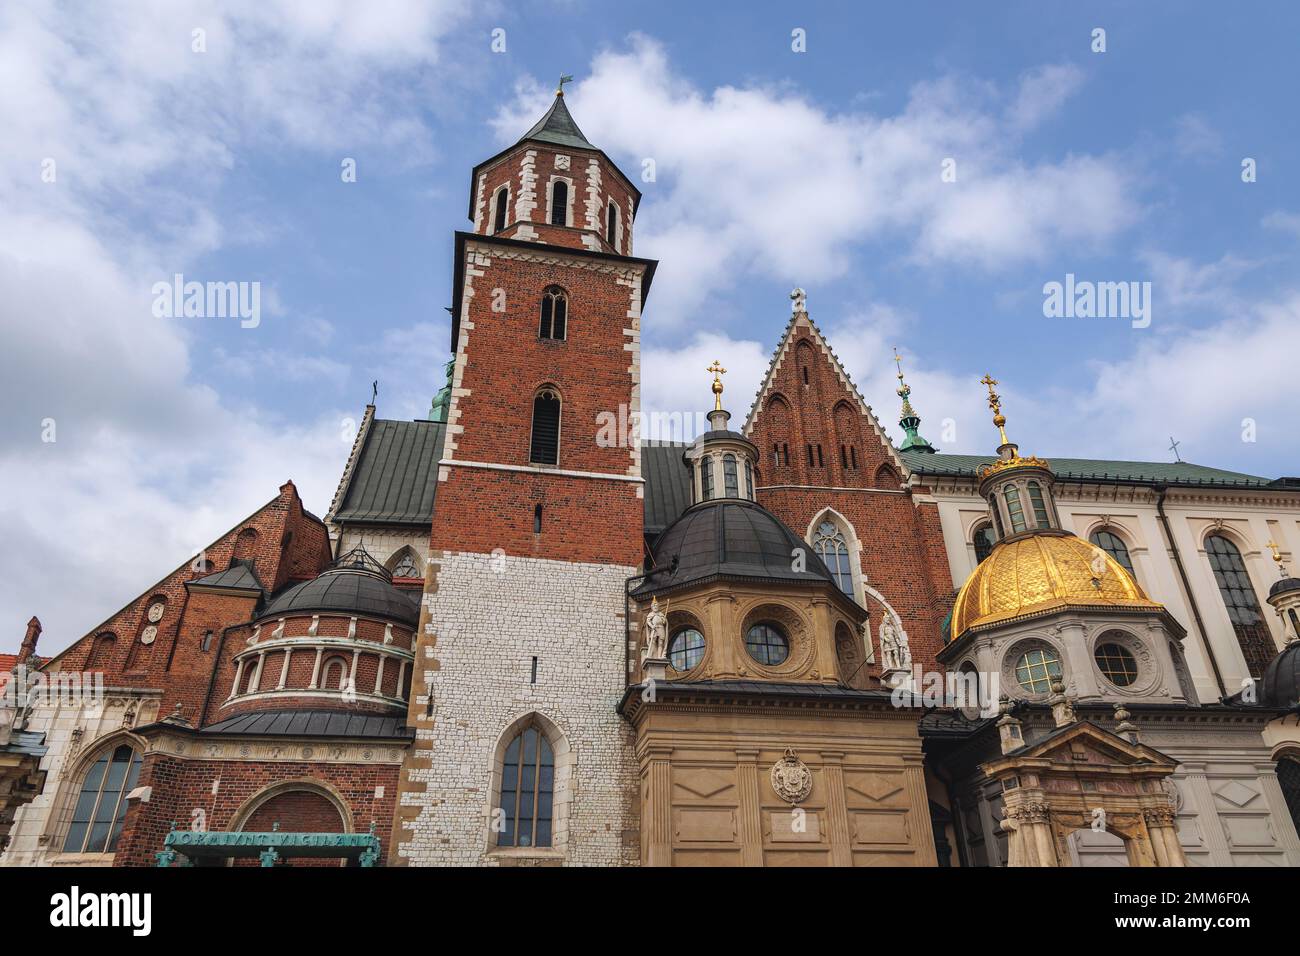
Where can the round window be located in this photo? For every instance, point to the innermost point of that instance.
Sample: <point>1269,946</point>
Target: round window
<point>1116,663</point>
<point>686,648</point>
<point>767,644</point>
<point>1036,669</point>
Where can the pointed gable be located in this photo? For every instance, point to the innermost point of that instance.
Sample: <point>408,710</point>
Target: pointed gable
<point>817,414</point>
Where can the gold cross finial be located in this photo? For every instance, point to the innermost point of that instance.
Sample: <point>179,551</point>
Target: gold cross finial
<point>898,361</point>
<point>1277,556</point>
<point>718,371</point>
<point>995,405</point>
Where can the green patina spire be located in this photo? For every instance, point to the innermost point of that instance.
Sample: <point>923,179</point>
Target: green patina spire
<point>442,401</point>
<point>910,421</point>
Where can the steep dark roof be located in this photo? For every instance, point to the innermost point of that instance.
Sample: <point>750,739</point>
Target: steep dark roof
<point>1173,473</point>
<point>396,475</point>
<point>1286,584</point>
<point>667,484</point>
<point>311,723</point>
<point>558,127</point>
<point>730,538</point>
<point>1282,680</point>
<point>238,576</point>
<point>347,591</point>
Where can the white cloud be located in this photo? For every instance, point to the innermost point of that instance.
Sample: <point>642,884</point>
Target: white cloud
<point>148,463</point>
<point>761,180</point>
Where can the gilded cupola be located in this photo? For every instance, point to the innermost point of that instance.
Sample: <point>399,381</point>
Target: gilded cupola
<point>1036,567</point>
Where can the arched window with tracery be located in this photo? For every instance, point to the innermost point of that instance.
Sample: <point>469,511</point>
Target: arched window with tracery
<point>833,549</point>
<point>611,225</point>
<point>545,446</point>
<point>1113,545</point>
<point>984,538</point>
<point>527,790</point>
<point>406,565</point>
<point>554,314</point>
<point>101,805</point>
<point>1239,599</point>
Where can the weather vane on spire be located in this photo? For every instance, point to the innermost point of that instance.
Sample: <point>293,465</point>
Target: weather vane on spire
<point>995,405</point>
<point>718,371</point>
<point>564,78</point>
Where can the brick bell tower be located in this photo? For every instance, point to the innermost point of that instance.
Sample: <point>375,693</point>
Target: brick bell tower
<point>519,755</point>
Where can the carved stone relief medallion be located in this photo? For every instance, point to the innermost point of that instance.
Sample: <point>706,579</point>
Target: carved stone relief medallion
<point>148,634</point>
<point>155,612</point>
<point>791,778</point>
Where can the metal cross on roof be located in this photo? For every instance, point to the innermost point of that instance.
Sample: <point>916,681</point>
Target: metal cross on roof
<point>1173,446</point>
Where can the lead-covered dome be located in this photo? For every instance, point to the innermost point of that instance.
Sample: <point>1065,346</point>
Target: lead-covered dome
<point>1282,679</point>
<point>731,538</point>
<point>356,585</point>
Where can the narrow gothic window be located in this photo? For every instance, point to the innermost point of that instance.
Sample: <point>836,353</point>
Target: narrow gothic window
<point>730,486</point>
<point>749,488</point>
<point>997,516</point>
<point>1242,605</point>
<point>537,522</point>
<point>503,198</point>
<point>805,374</point>
<point>1040,507</point>
<point>984,540</point>
<point>527,790</point>
<point>820,462</point>
<point>853,458</point>
<point>831,547</point>
<point>611,224</point>
<point>776,453</point>
<point>545,448</point>
<point>810,455</point>
<point>1014,511</point>
<point>844,457</point>
<point>207,642</point>
<point>101,805</point>
<point>785,453</point>
<point>559,203</point>
<point>555,313</point>
<point>1113,545</point>
<point>706,477</point>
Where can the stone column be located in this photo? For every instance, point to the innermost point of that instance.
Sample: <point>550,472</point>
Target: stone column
<point>837,811</point>
<point>284,668</point>
<point>751,820</point>
<point>914,775</point>
<point>239,672</point>
<point>315,670</point>
<point>657,813</point>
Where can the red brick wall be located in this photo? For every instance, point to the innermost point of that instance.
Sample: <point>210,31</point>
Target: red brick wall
<point>287,542</point>
<point>180,786</point>
<point>903,554</point>
<point>584,519</point>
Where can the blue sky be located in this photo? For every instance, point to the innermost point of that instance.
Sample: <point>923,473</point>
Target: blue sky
<point>774,169</point>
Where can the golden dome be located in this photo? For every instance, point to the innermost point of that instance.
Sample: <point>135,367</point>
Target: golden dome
<point>1039,574</point>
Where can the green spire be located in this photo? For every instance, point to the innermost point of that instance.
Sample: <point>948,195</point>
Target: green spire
<point>442,401</point>
<point>910,421</point>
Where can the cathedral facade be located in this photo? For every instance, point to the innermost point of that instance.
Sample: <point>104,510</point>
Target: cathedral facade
<point>518,640</point>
